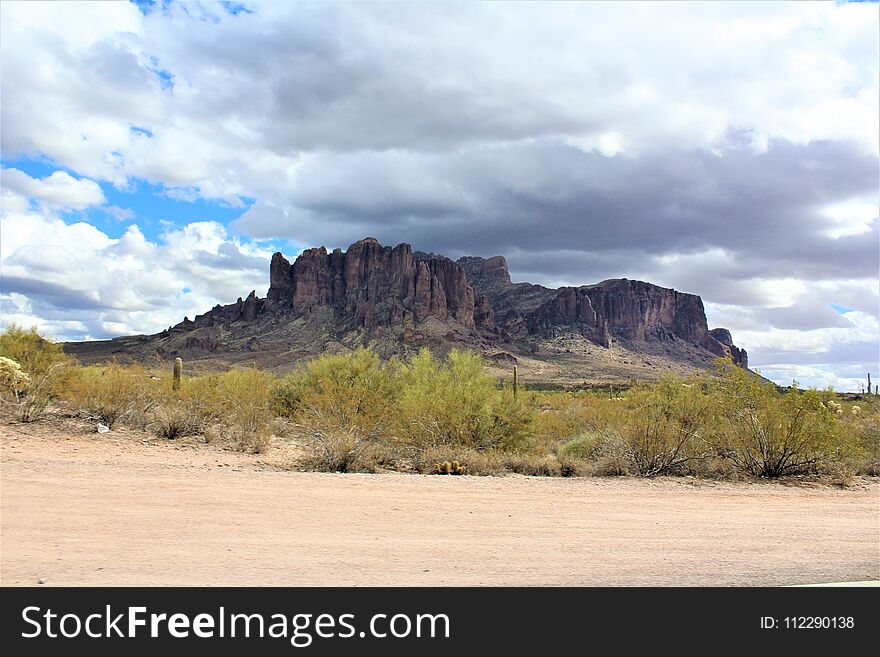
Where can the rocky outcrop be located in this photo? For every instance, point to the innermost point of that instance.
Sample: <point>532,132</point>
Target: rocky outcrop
<point>404,298</point>
<point>246,310</point>
<point>373,285</point>
<point>485,273</point>
<point>571,307</point>
<point>627,309</point>
<point>722,337</point>
<point>633,310</point>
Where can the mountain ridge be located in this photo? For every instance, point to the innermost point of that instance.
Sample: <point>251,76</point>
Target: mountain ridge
<point>396,300</point>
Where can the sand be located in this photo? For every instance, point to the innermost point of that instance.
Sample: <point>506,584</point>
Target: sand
<point>81,508</point>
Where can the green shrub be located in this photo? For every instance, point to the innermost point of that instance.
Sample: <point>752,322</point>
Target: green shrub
<point>455,403</point>
<point>584,446</point>
<point>861,426</point>
<point>769,434</point>
<point>353,391</point>
<point>662,425</point>
<point>35,354</point>
<point>241,400</point>
<point>33,372</point>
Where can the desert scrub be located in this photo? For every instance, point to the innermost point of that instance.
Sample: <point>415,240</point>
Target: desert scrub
<point>34,354</point>
<point>351,392</point>
<point>862,430</point>
<point>475,462</point>
<point>562,416</point>
<point>332,448</point>
<point>344,402</point>
<point>244,407</point>
<point>769,434</point>
<point>584,446</point>
<point>652,431</point>
<point>111,393</point>
<point>175,418</point>
<point>32,373</point>
<point>453,402</point>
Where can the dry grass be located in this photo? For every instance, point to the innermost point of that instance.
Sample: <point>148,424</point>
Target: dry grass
<point>354,412</point>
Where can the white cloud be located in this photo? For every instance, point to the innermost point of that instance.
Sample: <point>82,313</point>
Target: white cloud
<point>615,77</point>
<point>75,282</point>
<point>852,216</point>
<point>848,379</point>
<point>457,127</point>
<point>60,190</point>
<point>120,214</point>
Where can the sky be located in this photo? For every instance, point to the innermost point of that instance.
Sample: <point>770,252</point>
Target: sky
<point>155,154</point>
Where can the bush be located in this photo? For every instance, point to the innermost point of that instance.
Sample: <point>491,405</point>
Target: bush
<point>33,371</point>
<point>333,448</point>
<point>863,431</point>
<point>351,392</point>
<point>769,434</point>
<point>661,425</point>
<point>241,400</point>
<point>584,446</point>
<point>175,418</point>
<point>112,393</point>
<point>35,354</point>
<point>455,403</point>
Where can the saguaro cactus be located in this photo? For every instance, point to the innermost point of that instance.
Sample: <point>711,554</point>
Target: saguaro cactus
<point>515,383</point>
<point>178,373</point>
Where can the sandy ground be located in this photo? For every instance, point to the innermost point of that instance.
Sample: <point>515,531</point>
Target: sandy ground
<point>120,509</point>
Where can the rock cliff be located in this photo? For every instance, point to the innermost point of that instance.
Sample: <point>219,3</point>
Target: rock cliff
<point>397,300</point>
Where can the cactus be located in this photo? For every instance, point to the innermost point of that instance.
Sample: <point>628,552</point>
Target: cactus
<point>453,468</point>
<point>515,383</point>
<point>178,373</point>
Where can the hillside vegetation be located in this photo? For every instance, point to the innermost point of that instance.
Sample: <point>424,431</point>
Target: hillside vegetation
<point>355,412</point>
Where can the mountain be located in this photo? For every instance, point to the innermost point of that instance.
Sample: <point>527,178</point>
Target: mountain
<point>396,300</point>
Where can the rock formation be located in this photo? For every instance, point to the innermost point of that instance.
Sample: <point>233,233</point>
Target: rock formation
<point>397,300</point>
<point>373,285</point>
<point>729,350</point>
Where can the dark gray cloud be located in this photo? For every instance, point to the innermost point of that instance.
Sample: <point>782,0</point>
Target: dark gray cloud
<point>557,211</point>
<point>50,294</point>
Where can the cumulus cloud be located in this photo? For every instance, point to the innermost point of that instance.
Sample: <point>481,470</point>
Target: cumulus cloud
<point>75,282</point>
<point>727,149</point>
<point>59,190</point>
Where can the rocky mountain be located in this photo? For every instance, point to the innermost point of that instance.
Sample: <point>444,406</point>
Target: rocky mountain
<point>396,301</point>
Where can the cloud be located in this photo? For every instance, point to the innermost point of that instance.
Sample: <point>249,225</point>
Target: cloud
<point>120,214</point>
<point>762,208</point>
<point>75,282</point>
<point>727,149</point>
<point>354,77</point>
<point>59,190</point>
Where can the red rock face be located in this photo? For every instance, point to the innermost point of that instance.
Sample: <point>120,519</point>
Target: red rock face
<point>627,309</point>
<point>373,284</point>
<point>722,338</point>
<point>280,282</point>
<point>384,289</point>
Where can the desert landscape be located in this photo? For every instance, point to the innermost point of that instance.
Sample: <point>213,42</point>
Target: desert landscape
<point>124,508</point>
<point>439,294</point>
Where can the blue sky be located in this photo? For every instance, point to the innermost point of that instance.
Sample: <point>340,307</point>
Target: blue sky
<point>155,155</point>
<point>150,205</point>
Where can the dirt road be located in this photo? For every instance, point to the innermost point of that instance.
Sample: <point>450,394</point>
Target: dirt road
<point>115,509</point>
